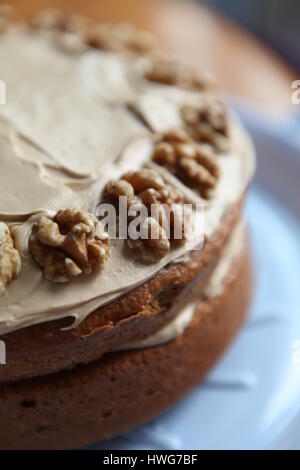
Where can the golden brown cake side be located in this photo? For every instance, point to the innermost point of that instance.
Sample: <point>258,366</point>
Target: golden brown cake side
<point>121,390</point>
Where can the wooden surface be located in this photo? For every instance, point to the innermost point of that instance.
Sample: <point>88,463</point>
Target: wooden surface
<point>242,64</point>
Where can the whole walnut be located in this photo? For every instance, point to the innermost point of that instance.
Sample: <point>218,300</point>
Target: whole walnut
<point>162,203</point>
<point>70,243</point>
<point>194,164</point>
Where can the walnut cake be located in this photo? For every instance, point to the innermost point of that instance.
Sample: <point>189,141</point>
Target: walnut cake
<point>98,116</point>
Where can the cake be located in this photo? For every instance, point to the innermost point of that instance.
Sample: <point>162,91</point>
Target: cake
<point>102,332</point>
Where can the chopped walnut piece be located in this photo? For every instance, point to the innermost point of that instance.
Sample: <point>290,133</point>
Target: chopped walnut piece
<point>194,164</point>
<point>207,121</point>
<point>10,260</point>
<point>163,204</point>
<point>176,73</point>
<point>71,243</point>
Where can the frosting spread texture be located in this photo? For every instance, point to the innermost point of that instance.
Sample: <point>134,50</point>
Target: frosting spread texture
<point>70,123</point>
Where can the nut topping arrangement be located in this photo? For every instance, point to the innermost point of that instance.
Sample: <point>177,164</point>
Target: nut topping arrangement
<point>74,242</point>
<point>114,38</point>
<point>71,243</point>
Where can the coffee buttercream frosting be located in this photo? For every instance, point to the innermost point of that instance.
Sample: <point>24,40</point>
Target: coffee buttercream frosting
<point>71,123</point>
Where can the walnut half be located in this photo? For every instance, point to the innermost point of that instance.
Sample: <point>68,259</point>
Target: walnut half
<point>71,243</point>
<point>10,260</point>
<point>207,121</point>
<point>194,164</point>
<point>175,73</point>
<point>163,204</point>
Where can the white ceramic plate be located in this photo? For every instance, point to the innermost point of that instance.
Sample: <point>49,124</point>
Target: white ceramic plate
<point>251,398</point>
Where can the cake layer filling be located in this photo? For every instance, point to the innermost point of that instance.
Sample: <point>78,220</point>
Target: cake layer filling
<point>64,132</point>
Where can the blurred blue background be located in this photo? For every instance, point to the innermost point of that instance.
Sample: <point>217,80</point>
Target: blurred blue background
<point>275,21</point>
